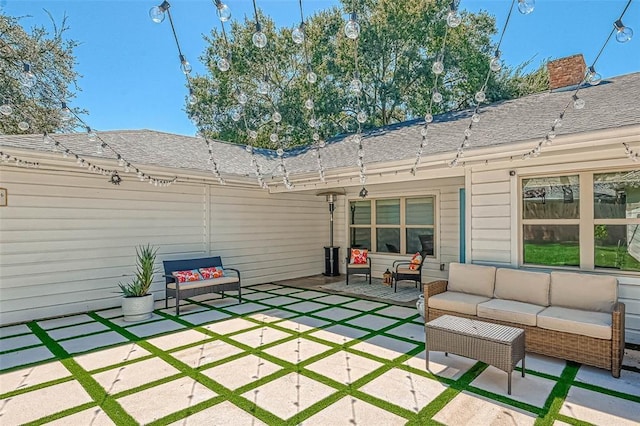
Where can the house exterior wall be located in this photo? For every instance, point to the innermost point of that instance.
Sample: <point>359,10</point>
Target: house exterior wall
<point>67,239</point>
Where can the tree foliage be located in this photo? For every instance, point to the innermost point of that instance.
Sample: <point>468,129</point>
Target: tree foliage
<point>52,62</point>
<point>398,43</point>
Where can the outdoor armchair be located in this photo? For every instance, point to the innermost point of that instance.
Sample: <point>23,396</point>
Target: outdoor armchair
<point>402,270</point>
<point>358,268</point>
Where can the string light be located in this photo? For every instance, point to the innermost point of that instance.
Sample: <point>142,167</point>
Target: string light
<point>4,157</point>
<point>623,34</point>
<point>27,78</point>
<point>222,10</point>
<point>526,6</point>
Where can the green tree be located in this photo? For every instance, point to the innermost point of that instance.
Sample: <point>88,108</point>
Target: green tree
<point>398,43</point>
<point>52,62</point>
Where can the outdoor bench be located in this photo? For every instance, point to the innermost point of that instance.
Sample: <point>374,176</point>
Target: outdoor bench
<point>567,315</point>
<point>184,290</point>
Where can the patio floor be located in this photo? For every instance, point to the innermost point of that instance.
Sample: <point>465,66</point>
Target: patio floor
<point>286,355</point>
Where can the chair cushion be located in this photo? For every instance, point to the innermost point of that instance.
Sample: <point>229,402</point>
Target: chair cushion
<point>358,266</point>
<point>523,286</point>
<point>205,283</point>
<point>359,256</point>
<point>472,279</point>
<point>187,276</point>
<point>404,270</point>
<point>509,310</point>
<point>583,291</point>
<point>212,272</point>
<point>416,260</point>
<point>576,321</point>
<point>456,302</point>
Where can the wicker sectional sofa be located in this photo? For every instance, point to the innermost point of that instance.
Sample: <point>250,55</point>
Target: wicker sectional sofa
<point>565,315</point>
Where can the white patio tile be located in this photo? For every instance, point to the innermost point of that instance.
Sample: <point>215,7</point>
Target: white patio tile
<point>30,406</point>
<point>185,308</point>
<point>133,375</point>
<point>601,409</point>
<point>206,353</point>
<point>297,350</point>
<point>305,307</point>
<point>286,290</point>
<point>222,303</point>
<point>224,413</point>
<point>77,330</point>
<point>531,389</point>
<point>280,300</point>
<point>384,347</point>
<point>31,376</point>
<point>258,295</point>
<point>110,313</point>
<point>470,410</point>
<point>241,371</point>
<point>404,389</point>
<point>408,331</point>
<point>288,395</point>
<point>111,356</point>
<point>122,323</point>
<point>309,294</point>
<point>629,382</point>
<point>247,290</point>
<point>544,364</point>
<point>398,312</point>
<point>15,342</point>
<point>231,326</point>
<point>372,322</point>
<point>260,336</point>
<point>64,321</point>
<point>272,315</point>
<point>339,333</point>
<point>266,287</point>
<point>303,323</point>
<point>160,401</point>
<point>154,328</point>
<point>337,314</point>
<point>13,330</point>
<point>24,357</point>
<point>204,317</point>
<point>350,411</point>
<point>451,367</point>
<point>364,305</point>
<point>94,341</point>
<point>245,308</point>
<point>91,416</point>
<point>334,299</point>
<point>181,338</point>
<point>344,367</point>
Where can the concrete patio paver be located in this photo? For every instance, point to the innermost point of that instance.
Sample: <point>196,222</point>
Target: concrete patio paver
<point>21,379</point>
<point>350,411</point>
<point>112,356</point>
<point>224,413</point>
<point>91,416</point>
<point>24,357</point>
<point>133,375</point>
<point>451,366</point>
<point>471,410</point>
<point>65,321</point>
<point>181,338</point>
<point>372,322</point>
<point>230,326</point>
<point>297,350</point>
<point>259,337</point>
<point>344,367</point>
<point>533,390</point>
<point>384,347</point>
<point>339,333</point>
<point>91,342</point>
<point>206,353</point>
<point>241,371</point>
<point>597,408</point>
<point>13,330</point>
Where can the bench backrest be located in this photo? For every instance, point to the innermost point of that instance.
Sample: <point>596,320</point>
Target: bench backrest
<point>187,264</point>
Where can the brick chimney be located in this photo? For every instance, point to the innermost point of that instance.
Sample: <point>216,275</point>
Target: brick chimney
<point>566,72</point>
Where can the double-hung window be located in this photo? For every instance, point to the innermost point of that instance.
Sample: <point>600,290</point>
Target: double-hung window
<point>393,225</point>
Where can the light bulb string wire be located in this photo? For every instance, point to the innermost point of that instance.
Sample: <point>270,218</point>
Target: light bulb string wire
<point>255,12</point>
<point>19,162</point>
<point>360,151</point>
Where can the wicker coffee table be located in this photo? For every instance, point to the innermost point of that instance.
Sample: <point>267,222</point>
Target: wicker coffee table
<point>494,344</point>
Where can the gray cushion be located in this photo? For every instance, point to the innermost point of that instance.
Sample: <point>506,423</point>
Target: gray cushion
<point>523,286</point>
<point>583,291</point>
<point>471,279</point>
<point>576,321</point>
<point>509,310</point>
<point>454,301</point>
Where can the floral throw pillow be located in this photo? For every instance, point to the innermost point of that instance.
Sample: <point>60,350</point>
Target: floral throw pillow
<point>416,260</point>
<point>187,276</point>
<point>359,256</point>
<point>213,272</point>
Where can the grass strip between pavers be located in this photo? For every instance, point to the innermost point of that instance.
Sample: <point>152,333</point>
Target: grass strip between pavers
<point>556,398</point>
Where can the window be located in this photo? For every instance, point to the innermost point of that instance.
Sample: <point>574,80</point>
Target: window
<point>393,225</point>
<point>587,220</point>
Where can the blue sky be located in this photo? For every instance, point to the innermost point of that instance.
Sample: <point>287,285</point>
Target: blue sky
<point>130,70</point>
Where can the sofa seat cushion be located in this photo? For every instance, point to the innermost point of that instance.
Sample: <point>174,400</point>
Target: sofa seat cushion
<point>576,321</point>
<point>509,310</point>
<point>471,279</point>
<point>358,266</point>
<point>522,286</point>
<point>405,270</point>
<point>205,283</point>
<point>583,291</point>
<point>454,301</point>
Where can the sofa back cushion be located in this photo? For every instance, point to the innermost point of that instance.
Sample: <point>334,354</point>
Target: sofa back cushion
<point>583,291</point>
<point>523,286</point>
<point>472,279</point>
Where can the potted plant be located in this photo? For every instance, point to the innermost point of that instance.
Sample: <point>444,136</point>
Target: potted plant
<point>137,303</point>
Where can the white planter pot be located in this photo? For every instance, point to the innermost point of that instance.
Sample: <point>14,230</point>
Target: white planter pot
<point>137,308</point>
<point>420,305</point>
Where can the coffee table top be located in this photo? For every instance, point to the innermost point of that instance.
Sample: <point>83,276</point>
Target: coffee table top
<point>471,327</point>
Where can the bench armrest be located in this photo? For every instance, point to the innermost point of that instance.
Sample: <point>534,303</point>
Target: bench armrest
<point>618,338</point>
<point>433,288</point>
<point>171,277</point>
<point>234,270</point>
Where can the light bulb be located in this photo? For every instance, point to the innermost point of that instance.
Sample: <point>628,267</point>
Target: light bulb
<point>467,132</point>
<point>423,131</point>
<point>223,11</point>
<point>27,79</point>
<point>185,66</point>
<point>357,138</point>
<point>453,18</point>
<point>593,77</point>
<point>428,118</point>
<point>551,135</point>
<point>315,137</point>
<point>91,135</point>
<point>192,97</point>
<point>623,34</point>
<point>352,28</point>
<point>236,115</point>
<point>263,87</point>
<point>253,134</point>
<point>437,97</point>
<point>223,64</point>
<point>495,65</point>
<point>322,144</point>
<point>273,137</point>
<point>362,117</point>
<point>437,67</point>
<point>577,102</point>
<point>475,117</point>
<point>65,112</point>
<point>23,125</point>
<point>526,6</point>
<point>99,149</point>
<point>308,104</point>
<point>298,35</point>
<point>242,98</point>
<point>312,77</point>
<point>280,152</point>
<point>157,13</point>
<point>355,86</point>
<point>46,139</point>
<point>480,96</point>
<point>248,148</point>
<point>276,117</point>
<point>259,39</point>
<point>557,122</point>
<point>312,122</point>
<point>6,109</point>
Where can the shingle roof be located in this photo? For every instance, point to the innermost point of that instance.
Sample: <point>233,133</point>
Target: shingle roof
<point>612,104</point>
